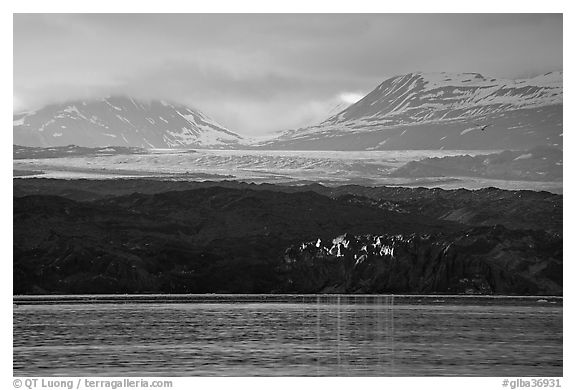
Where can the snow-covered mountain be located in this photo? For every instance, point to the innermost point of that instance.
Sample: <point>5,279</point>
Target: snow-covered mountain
<point>121,121</point>
<point>413,111</point>
<point>442,111</point>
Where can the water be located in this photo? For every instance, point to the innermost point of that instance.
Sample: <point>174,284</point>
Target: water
<point>313,335</point>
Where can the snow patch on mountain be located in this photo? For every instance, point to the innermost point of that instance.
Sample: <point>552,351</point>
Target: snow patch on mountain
<point>468,130</point>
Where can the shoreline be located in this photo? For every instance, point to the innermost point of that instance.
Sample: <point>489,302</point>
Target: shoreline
<point>28,300</point>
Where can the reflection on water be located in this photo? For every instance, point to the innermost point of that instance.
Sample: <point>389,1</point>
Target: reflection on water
<point>287,335</point>
<point>354,335</point>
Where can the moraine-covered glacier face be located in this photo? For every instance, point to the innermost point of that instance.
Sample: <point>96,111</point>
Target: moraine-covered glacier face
<point>442,111</point>
<point>120,121</point>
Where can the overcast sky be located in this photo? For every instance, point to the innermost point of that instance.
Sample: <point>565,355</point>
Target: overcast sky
<point>257,73</point>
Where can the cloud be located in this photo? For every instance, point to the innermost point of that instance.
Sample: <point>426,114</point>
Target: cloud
<point>17,104</point>
<point>351,97</point>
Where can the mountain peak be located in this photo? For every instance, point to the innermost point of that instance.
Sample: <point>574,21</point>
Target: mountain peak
<point>425,97</point>
<point>120,120</point>
<point>442,110</point>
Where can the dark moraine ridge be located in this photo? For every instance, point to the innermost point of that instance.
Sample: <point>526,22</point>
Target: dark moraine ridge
<point>147,236</point>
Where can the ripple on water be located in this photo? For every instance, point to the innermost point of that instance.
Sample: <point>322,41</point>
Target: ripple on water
<point>319,335</point>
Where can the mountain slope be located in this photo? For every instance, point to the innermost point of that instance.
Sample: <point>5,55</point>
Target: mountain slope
<point>120,121</point>
<point>442,110</point>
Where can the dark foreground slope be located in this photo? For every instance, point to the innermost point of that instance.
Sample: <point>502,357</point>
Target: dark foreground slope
<point>279,239</point>
<point>485,207</point>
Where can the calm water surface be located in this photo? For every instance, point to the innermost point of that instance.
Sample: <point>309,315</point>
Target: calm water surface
<point>287,335</point>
